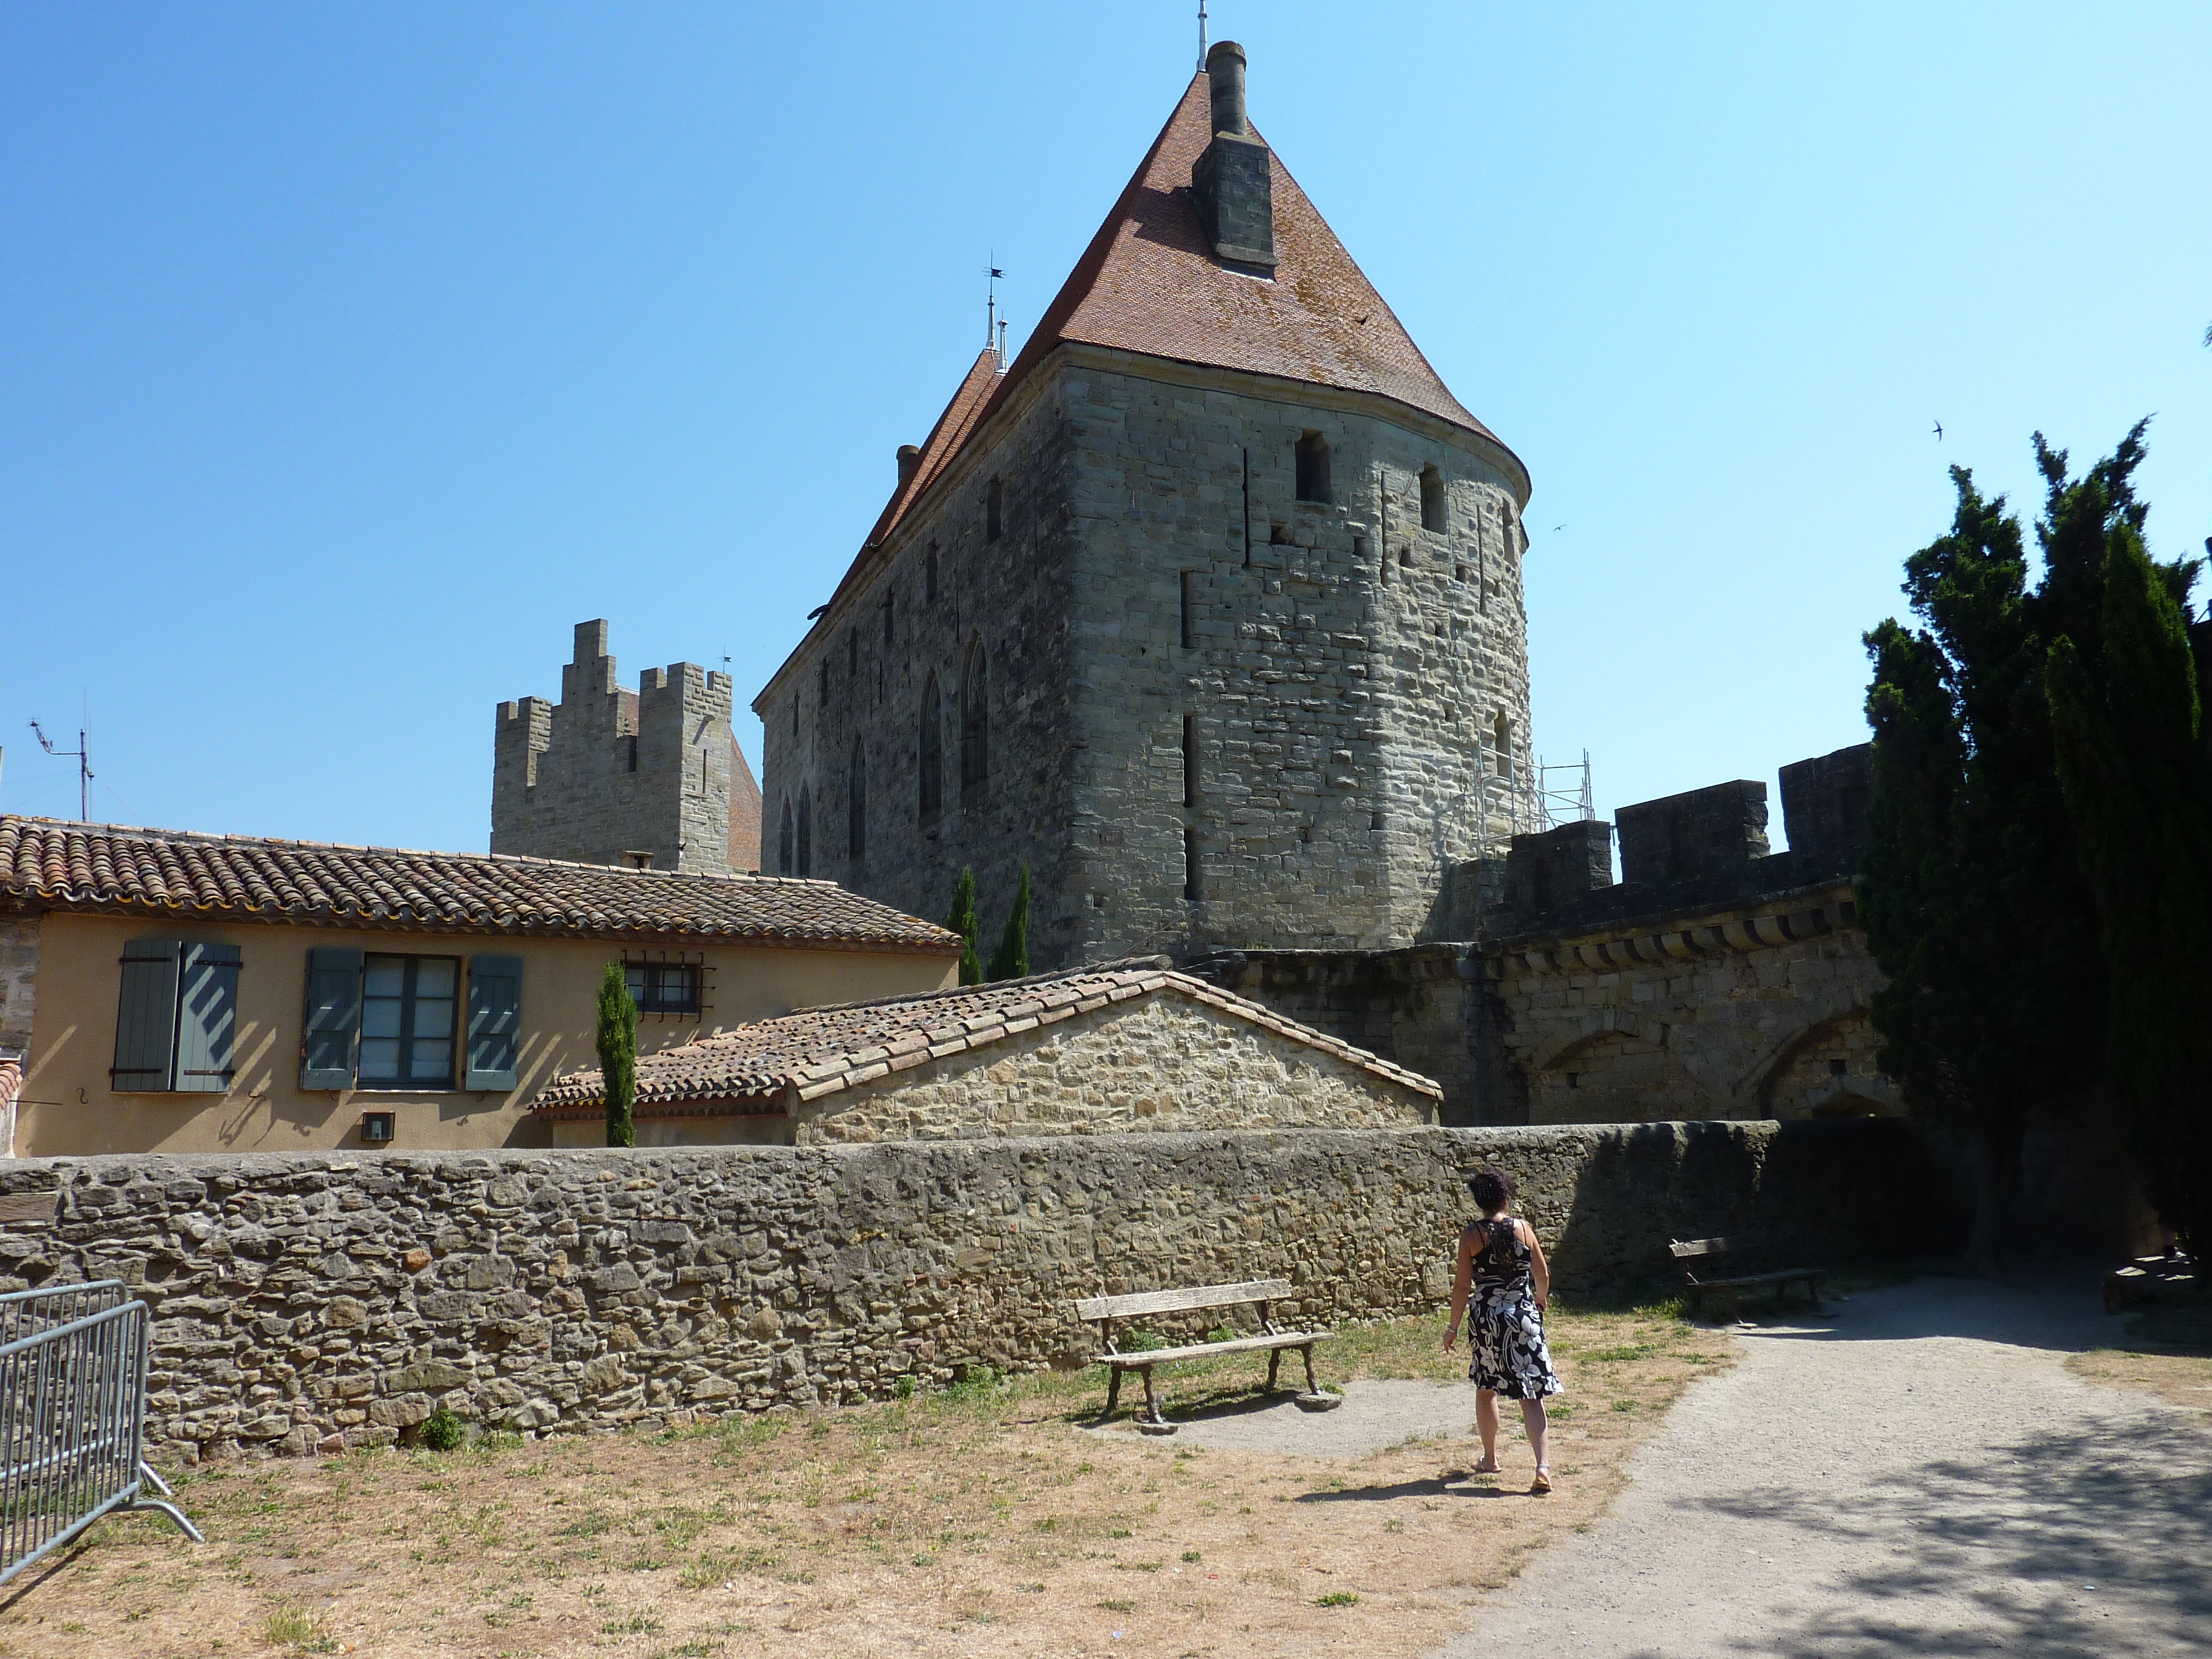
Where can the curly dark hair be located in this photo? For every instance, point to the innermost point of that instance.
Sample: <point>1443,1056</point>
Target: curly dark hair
<point>1491,1187</point>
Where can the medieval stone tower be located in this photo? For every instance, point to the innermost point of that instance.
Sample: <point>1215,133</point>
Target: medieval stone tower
<point>650,778</point>
<point>1207,607</point>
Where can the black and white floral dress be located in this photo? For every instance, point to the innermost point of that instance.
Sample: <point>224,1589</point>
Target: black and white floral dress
<point>1504,1327</point>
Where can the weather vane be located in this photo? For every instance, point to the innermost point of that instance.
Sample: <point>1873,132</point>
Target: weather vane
<point>991,274</point>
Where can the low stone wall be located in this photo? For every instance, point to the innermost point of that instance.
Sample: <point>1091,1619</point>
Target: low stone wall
<point>306,1301</point>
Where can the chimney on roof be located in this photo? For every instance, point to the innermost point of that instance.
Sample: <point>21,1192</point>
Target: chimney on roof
<point>1233,179</point>
<point>909,458</point>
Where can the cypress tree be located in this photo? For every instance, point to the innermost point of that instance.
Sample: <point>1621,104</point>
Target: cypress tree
<point>617,1046</point>
<point>2131,757</point>
<point>964,922</point>
<point>1969,890</point>
<point>1012,959</point>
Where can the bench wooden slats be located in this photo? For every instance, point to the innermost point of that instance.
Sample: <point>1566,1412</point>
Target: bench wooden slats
<point>1141,1302</point>
<point>1686,1252</point>
<point>1106,1311</point>
<point>1198,1350</point>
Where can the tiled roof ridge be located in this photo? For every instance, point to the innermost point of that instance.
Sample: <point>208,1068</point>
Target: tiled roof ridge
<point>124,869</point>
<point>1010,1008</point>
<point>220,838</point>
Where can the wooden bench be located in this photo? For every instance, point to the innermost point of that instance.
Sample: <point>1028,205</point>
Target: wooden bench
<point>1109,1311</point>
<point>1718,1253</point>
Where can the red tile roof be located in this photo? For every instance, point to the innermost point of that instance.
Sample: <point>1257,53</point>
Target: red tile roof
<point>48,864</point>
<point>1149,284</point>
<point>744,814</point>
<point>819,1051</point>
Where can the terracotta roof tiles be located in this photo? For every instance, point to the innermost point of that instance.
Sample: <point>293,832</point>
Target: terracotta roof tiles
<point>820,1051</point>
<point>51,864</point>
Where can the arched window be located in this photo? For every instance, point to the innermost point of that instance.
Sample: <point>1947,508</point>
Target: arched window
<point>932,750</point>
<point>783,842</point>
<point>975,720</point>
<point>806,831</point>
<point>856,803</point>
<point>1312,457</point>
<point>1432,499</point>
<point>1501,745</point>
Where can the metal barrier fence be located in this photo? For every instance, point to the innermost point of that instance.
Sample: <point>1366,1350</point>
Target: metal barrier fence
<point>72,1418</point>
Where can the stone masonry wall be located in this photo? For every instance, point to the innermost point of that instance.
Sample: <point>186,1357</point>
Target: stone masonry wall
<point>608,771</point>
<point>19,979</point>
<point>1159,1063</point>
<point>1344,679</point>
<point>305,1301</point>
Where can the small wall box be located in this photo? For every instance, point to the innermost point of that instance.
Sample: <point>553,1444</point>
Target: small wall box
<point>376,1127</point>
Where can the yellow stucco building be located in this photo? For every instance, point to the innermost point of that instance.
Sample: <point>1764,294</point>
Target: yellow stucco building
<point>186,993</point>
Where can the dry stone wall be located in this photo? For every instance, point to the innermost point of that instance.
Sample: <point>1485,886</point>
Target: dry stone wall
<point>303,1301</point>
<point>19,979</point>
<point>1162,1063</point>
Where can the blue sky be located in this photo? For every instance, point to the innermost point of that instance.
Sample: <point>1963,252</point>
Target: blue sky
<point>348,355</point>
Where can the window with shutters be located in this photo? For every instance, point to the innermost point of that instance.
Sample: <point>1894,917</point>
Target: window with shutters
<point>930,749</point>
<point>408,1009</point>
<point>495,1040</point>
<point>975,720</point>
<point>176,1021</point>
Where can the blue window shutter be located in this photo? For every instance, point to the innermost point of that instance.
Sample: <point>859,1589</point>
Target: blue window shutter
<point>332,1034</point>
<point>495,1021</point>
<point>146,1018</point>
<point>207,1018</point>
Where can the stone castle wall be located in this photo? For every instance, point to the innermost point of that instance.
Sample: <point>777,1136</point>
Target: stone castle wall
<point>608,774</point>
<point>1341,669</point>
<point>303,1301</point>
<point>1160,1063</point>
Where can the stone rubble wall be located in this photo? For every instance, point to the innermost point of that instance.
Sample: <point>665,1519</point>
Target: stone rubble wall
<point>19,979</point>
<point>1158,1064</point>
<point>310,1301</point>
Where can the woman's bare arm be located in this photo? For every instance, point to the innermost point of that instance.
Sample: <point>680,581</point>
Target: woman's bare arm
<point>1463,1281</point>
<point>1538,1272</point>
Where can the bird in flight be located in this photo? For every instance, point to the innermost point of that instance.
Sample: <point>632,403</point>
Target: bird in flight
<point>1557,528</point>
<point>1939,432</point>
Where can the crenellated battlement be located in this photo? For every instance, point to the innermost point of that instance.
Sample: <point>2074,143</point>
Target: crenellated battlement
<point>612,775</point>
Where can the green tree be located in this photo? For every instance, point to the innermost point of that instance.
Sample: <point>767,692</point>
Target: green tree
<point>964,922</point>
<point>617,1046</point>
<point>1969,890</point>
<point>1012,959</point>
<point>2131,755</point>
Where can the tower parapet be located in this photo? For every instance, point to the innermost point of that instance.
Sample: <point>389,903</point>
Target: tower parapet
<point>609,775</point>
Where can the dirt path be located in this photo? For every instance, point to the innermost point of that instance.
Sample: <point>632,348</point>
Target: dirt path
<point>1920,1474</point>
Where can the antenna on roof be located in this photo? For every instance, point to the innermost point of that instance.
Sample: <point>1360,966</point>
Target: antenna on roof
<point>991,301</point>
<point>1201,36</point>
<point>83,759</point>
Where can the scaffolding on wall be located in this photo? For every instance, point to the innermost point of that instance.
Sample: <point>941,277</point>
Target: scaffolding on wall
<point>1529,801</point>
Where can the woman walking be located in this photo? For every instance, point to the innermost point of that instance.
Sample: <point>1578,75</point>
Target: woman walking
<point>1501,1268</point>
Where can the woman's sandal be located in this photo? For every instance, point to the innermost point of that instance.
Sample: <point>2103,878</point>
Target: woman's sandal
<point>1541,1486</point>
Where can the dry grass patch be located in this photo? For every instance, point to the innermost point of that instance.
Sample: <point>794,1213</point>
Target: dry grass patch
<point>982,1520</point>
<point>2165,1350</point>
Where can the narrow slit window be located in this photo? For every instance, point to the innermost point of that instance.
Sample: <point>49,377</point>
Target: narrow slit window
<point>1501,744</point>
<point>1311,456</point>
<point>785,845</point>
<point>806,832</point>
<point>1192,889</point>
<point>856,803</point>
<point>1432,501</point>
<point>629,753</point>
<point>1247,454</point>
<point>932,750</point>
<point>1190,760</point>
<point>1186,584</point>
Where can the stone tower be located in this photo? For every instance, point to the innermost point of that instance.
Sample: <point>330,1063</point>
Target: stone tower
<point>609,775</point>
<point>1206,607</point>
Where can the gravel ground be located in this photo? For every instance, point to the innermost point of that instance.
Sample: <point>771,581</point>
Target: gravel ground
<point>1378,1414</point>
<point>1919,1475</point>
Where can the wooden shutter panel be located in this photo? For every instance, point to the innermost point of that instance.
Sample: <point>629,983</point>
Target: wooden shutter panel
<point>207,1018</point>
<point>332,1038</point>
<point>495,1021</point>
<point>146,1018</point>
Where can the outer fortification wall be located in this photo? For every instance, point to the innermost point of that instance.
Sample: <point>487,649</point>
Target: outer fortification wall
<point>309,1301</point>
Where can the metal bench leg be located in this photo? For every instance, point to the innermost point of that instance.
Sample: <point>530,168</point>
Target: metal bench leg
<point>1274,1367</point>
<point>1113,1388</point>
